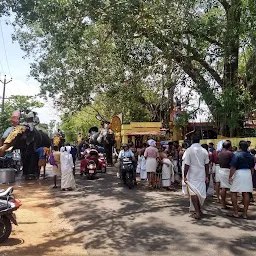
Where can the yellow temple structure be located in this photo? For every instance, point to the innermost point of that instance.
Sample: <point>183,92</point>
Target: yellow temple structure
<point>138,133</point>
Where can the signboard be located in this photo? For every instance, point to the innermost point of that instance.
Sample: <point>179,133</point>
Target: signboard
<point>116,124</point>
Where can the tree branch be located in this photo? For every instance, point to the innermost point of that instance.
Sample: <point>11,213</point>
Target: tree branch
<point>194,73</point>
<point>204,64</point>
<point>205,36</point>
<point>185,62</point>
<point>225,4</point>
<point>196,56</point>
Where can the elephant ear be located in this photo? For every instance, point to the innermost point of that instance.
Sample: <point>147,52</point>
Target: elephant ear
<point>14,133</point>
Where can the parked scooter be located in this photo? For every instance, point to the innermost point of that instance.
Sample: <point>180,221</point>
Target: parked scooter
<point>127,171</point>
<point>8,204</point>
<point>11,160</point>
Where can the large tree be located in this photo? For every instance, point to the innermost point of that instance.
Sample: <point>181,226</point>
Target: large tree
<point>84,47</point>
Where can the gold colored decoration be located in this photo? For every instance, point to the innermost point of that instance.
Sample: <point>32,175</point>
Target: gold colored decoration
<point>56,140</point>
<point>14,133</point>
<point>116,124</point>
<point>79,139</point>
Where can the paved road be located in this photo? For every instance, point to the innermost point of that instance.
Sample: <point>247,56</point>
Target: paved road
<point>104,218</point>
<point>110,219</point>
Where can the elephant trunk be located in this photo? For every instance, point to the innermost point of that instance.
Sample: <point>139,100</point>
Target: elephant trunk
<point>3,149</point>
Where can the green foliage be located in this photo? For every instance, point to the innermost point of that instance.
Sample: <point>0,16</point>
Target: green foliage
<point>17,102</point>
<point>182,119</point>
<point>79,122</point>
<point>234,114</point>
<point>121,44</point>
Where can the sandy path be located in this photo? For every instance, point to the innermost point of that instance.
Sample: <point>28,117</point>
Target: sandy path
<point>42,229</point>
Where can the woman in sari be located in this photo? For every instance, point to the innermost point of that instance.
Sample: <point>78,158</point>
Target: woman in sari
<point>66,163</point>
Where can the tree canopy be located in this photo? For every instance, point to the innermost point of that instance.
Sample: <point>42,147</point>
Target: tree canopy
<point>133,54</point>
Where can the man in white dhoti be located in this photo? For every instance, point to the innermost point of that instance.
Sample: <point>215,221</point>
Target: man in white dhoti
<point>216,168</point>
<point>240,177</point>
<point>196,173</point>
<point>225,157</point>
<point>167,171</point>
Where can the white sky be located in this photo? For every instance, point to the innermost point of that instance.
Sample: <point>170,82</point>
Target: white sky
<point>19,71</point>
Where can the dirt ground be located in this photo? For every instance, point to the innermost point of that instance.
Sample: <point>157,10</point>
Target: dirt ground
<point>102,217</point>
<point>41,225</point>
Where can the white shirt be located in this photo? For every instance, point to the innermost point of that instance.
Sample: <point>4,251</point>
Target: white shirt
<point>66,162</point>
<point>196,157</point>
<point>127,153</point>
<point>142,163</point>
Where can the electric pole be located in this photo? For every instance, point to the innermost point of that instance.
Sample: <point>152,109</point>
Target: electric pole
<point>5,82</point>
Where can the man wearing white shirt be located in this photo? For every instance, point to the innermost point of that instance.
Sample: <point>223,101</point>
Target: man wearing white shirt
<point>125,152</point>
<point>196,175</point>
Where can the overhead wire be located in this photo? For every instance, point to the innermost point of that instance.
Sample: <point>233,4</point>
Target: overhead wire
<point>2,69</point>
<point>6,58</point>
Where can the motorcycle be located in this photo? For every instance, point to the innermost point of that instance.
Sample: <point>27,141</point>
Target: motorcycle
<point>8,204</point>
<point>91,169</point>
<point>11,161</point>
<point>17,160</point>
<point>127,172</point>
<point>94,163</point>
<point>103,162</point>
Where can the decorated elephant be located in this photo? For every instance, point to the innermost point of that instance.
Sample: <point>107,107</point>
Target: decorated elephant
<point>104,137</point>
<point>27,140</point>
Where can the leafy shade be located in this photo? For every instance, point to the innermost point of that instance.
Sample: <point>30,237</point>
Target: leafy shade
<point>83,48</point>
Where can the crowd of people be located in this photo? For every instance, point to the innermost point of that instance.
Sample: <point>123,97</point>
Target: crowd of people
<point>63,165</point>
<point>159,167</point>
<point>195,166</point>
<point>231,170</point>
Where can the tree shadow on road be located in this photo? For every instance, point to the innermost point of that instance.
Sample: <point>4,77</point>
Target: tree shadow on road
<point>111,219</point>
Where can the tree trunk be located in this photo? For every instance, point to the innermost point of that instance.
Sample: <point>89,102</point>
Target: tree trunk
<point>231,55</point>
<point>231,47</point>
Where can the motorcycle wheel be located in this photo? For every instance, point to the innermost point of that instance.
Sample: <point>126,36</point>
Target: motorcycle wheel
<point>18,167</point>
<point>104,169</point>
<point>129,181</point>
<point>5,228</point>
<point>90,176</point>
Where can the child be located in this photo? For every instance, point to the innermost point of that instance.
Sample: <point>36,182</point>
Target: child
<point>143,170</point>
<point>167,171</point>
<point>138,169</point>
